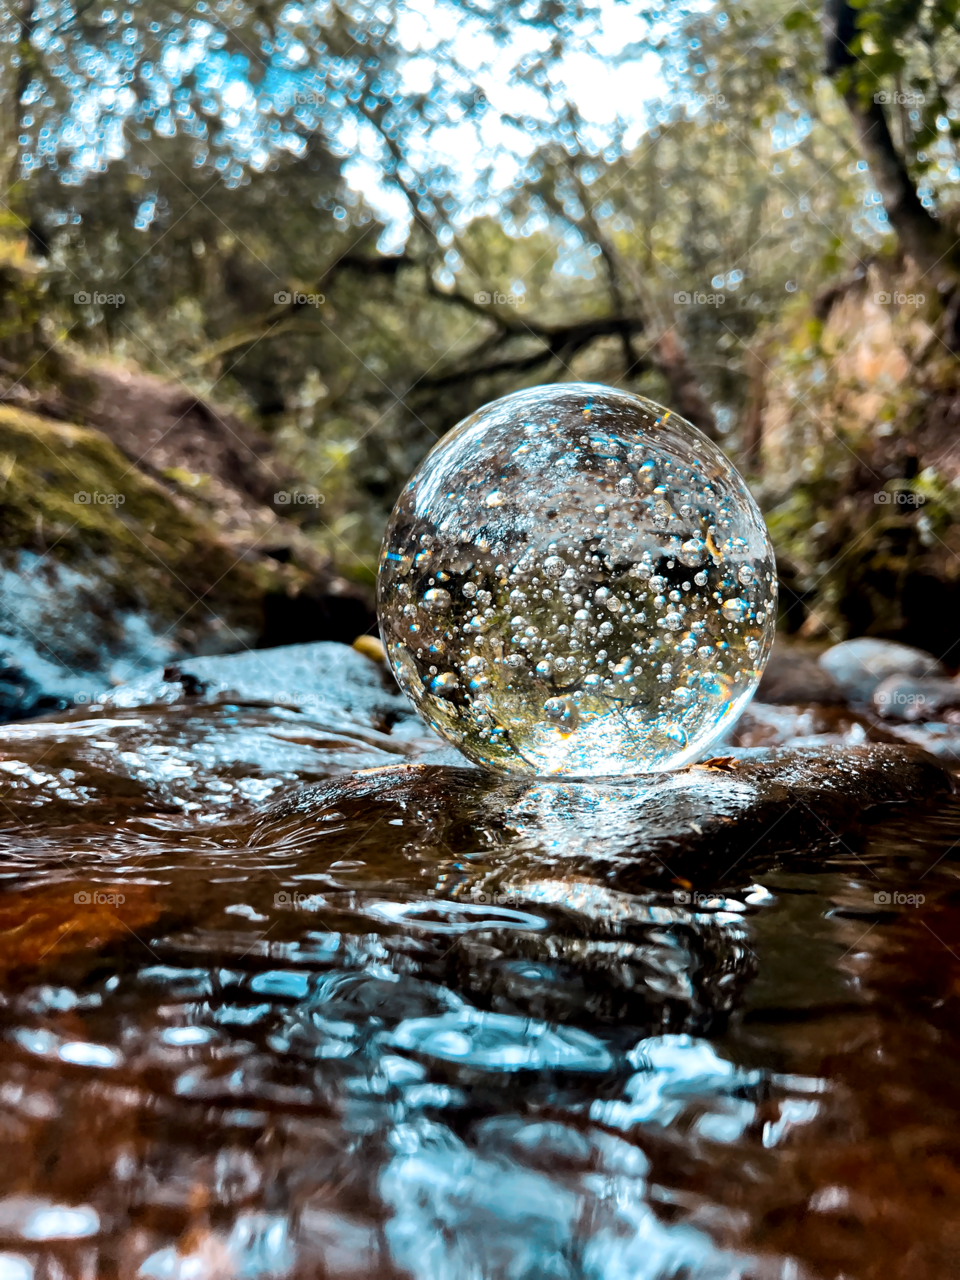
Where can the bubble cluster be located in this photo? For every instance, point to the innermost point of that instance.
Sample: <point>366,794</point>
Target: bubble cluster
<point>576,581</point>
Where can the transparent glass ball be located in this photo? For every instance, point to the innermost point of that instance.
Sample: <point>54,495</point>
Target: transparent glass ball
<point>577,582</point>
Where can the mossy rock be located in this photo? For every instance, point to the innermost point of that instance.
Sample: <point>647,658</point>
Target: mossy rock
<point>74,510</point>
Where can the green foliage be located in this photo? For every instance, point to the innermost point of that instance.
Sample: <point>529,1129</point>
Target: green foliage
<point>201,209</point>
<point>908,53</point>
<point>358,387</point>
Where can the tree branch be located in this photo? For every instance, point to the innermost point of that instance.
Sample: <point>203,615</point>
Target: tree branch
<point>267,328</point>
<point>559,342</point>
<point>668,353</point>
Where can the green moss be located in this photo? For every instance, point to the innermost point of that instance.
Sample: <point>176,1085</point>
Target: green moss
<point>67,493</point>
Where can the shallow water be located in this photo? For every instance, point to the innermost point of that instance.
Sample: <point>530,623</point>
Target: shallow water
<point>409,1024</point>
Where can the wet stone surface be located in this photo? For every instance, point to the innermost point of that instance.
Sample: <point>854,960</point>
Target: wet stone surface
<point>902,697</point>
<point>290,990</point>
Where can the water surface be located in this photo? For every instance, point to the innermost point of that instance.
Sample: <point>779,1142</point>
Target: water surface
<point>403,1029</point>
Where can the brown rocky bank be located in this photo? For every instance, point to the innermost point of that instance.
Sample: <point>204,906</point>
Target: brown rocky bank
<point>857,449</point>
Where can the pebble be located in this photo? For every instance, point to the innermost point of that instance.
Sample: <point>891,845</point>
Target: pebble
<point>903,697</point>
<point>858,666</point>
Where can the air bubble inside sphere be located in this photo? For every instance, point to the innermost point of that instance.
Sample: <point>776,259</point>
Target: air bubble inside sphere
<point>577,582</point>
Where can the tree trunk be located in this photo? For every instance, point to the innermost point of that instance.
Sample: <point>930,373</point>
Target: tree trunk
<point>751,441</point>
<point>670,357</point>
<point>920,235</point>
<point>14,109</point>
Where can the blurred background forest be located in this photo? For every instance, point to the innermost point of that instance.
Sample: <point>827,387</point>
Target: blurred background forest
<point>256,258</point>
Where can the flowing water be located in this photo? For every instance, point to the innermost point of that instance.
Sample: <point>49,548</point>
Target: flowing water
<point>408,1023</point>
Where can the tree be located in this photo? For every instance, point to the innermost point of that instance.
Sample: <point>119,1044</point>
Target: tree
<point>872,51</point>
<point>213,182</point>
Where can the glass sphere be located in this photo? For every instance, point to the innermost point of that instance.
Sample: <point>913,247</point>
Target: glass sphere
<point>577,582</point>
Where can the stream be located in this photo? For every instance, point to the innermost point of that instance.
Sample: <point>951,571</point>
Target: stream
<point>290,991</point>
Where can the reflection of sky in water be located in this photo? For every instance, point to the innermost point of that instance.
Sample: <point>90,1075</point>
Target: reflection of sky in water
<point>434,1103</point>
<point>501,1208</point>
<point>679,1073</point>
<point>676,1070</point>
<point>501,1042</point>
<point>31,1218</point>
<point>495,1220</point>
<point>258,1247</point>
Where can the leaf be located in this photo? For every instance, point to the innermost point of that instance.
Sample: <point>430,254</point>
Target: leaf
<point>800,20</point>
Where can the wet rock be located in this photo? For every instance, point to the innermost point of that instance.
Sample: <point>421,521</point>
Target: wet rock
<point>542,897</point>
<point>657,829</point>
<point>793,676</point>
<point>226,733</point>
<point>106,571</point>
<point>239,731</point>
<point>904,697</point>
<point>858,666</point>
<point>29,686</point>
<point>320,680</point>
<point>814,725</point>
<point>65,638</point>
<point>940,739</point>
